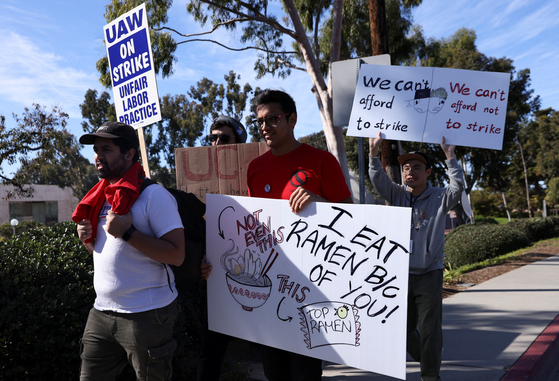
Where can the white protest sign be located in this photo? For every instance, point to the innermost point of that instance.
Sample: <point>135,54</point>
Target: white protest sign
<point>131,69</point>
<point>423,104</point>
<point>330,282</point>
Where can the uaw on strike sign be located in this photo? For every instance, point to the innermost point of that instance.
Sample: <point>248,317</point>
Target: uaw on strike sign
<point>131,69</point>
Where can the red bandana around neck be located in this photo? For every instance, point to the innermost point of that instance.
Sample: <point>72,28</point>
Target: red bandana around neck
<point>120,195</point>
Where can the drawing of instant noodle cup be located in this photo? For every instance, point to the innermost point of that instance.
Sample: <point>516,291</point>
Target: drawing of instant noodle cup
<point>247,291</point>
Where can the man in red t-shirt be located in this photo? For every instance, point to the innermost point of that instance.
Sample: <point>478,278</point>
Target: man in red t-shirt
<point>301,174</point>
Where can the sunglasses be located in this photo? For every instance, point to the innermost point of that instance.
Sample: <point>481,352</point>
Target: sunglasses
<point>271,120</point>
<point>223,137</point>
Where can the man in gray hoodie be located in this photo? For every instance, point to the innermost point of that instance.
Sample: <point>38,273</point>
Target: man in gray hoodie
<point>429,208</point>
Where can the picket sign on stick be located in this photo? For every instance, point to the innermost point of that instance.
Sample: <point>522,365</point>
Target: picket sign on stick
<point>423,104</point>
<point>143,151</point>
<point>132,73</point>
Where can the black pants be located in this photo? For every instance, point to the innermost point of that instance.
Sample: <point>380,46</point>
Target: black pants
<point>425,315</point>
<point>280,365</point>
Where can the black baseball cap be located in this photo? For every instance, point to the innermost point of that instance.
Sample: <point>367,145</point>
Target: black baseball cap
<point>113,130</point>
<point>415,155</point>
<point>238,129</point>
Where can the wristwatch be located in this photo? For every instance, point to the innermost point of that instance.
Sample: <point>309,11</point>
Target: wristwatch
<point>128,233</point>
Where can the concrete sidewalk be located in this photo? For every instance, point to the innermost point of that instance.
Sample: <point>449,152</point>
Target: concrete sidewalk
<point>504,329</point>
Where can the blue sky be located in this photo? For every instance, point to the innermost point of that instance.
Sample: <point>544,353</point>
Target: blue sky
<point>49,50</point>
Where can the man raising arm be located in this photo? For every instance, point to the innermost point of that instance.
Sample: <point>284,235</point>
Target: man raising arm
<point>430,206</point>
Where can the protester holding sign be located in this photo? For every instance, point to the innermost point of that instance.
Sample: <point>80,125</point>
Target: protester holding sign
<point>298,173</point>
<point>224,130</point>
<point>430,206</point>
<point>132,237</point>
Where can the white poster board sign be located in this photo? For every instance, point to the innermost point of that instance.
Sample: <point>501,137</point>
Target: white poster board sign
<point>423,104</point>
<point>330,282</point>
<point>131,69</point>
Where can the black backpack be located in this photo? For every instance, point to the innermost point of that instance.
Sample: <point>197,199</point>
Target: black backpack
<point>192,212</point>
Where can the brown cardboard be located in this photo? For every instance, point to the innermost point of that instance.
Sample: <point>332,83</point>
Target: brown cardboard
<point>216,169</point>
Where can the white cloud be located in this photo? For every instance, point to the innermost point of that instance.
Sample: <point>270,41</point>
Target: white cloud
<point>29,74</point>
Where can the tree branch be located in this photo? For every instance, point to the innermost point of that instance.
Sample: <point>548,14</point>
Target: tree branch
<point>290,65</point>
<point>260,18</point>
<point>232,21</point>
<point>236,49</point>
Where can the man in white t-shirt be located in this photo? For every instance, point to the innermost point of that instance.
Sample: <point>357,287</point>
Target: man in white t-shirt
<point>133,236</point>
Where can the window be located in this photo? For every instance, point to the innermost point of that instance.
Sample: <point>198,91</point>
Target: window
<point>45,212</point>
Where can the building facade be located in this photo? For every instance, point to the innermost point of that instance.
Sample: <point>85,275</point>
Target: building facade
<point>49,204</point>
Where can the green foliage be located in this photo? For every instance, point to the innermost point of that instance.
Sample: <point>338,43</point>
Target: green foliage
<point>316,140</point>
<point>46,152</point>
<point>537,229</point>
<point>60,163</point>
<point>453,274</point>
<point>538,138</point>
<point>46,292</point>
<point>34,132</point>
<point>486,221</point>
<point>7,230</point>
<point>97,110</point>
<point>356,31</point>
<point>45,295</point>
<point>486,203</point>
<point>469,244</point>
<point>552,192</point>
<point>473,243</point>
<point>545,127</point>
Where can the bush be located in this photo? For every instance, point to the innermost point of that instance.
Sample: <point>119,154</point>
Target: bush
<point>537,228</point>
<point>486,221</point>
<point>46,292</point>
<point>7,230</point>
<point>469,244</point>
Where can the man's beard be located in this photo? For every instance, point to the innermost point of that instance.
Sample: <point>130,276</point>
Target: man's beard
<point>112,172</point>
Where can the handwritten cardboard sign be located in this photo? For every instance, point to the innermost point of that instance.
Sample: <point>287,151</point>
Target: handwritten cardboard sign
<point>216,169</point>
<point>131,68</point>
<point>330,282</point>
<point>424,104</point>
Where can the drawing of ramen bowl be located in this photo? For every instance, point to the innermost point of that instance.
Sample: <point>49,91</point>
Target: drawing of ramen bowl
<point>248,291</point>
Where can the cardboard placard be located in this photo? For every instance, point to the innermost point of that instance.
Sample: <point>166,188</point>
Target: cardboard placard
<point>423,104</point>
<point>216,169</point>
<point>330,282</point>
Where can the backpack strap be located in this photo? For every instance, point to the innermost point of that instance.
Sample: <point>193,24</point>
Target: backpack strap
<point>146,183</point>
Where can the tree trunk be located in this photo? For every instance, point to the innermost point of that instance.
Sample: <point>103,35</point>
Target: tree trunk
<point>525,177</point>
<point>390,149</point>
<point>506,207</point>
<point>334,135</point>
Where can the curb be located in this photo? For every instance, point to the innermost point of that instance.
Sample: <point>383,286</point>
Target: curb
<point>540,359</point>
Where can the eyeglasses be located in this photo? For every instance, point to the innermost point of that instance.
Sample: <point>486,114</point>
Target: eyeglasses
<point>223,137</point>
<point>415,168</point>
<point>271,120</point>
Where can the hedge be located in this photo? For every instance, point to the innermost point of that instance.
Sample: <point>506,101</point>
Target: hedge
<point>46,292</point>
<point>7,230</point>
<point>537,229</point>
<point>468,244</point>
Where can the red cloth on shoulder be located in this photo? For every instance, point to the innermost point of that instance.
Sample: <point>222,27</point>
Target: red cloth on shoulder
<point>120,195</point>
